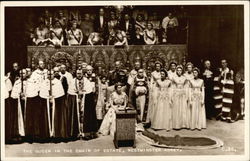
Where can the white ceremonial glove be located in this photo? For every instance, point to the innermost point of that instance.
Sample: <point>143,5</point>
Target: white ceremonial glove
<point>78,100</point>
<point>22,96</point>
<point>51,99</point>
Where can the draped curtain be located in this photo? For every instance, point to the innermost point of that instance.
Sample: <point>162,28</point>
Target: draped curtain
<point>216,32</point>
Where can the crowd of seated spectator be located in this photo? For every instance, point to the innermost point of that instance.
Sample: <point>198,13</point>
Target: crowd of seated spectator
<point>114,29</point>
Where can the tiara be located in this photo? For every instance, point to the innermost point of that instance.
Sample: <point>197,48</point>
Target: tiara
<point>179,66</point>
<point>196,69</point>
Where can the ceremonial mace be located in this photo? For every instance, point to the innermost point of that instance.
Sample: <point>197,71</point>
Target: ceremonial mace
<point>22,92</point>
<point>78,97</point>
<point>50,96</point>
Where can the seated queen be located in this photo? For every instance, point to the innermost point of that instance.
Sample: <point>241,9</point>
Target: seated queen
<point>118,101</point>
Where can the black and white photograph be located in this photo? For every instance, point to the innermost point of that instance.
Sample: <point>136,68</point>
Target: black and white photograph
<point>158,80</point>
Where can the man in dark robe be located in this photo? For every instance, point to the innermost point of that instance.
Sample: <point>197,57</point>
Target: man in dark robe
<point>8,110</point>
<point>65,78</point>
<point>74,100</point>
<point>34,113</point>
<point>18,95</point>
<point>226,91</point>
<point>238,107</point>
<point>89,107</point>
<point>208,78</point>
<point>52,98</point>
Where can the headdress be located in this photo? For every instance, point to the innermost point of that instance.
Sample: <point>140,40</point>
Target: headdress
<point>179,66</point>
<point>173,62</point>
<point>196,69</point>
<point>118,84</point>
<point>89,67</point>
<point>158,62</point>
<point>166,73</point>
<point>189,63</point>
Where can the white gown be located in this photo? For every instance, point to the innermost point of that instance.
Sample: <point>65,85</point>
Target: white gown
<point>180,112</point>
<point>197,107</point>
<point>108,124</point>
<point>162,118</point>
<point>153,94</point>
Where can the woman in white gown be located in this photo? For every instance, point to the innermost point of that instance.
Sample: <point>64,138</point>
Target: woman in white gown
<point>189,76</point>
<point>180,100</point>
<point>118,100</point>
<point>56,34</point>
<point>197,96</point>
<point>120,38</point>
<point>150,35</point>
<point>162,118</point>
<point>153,91</point>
